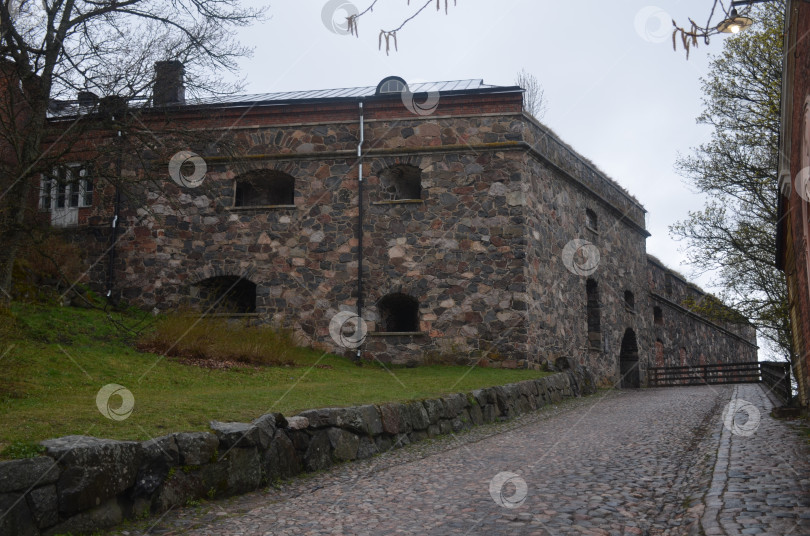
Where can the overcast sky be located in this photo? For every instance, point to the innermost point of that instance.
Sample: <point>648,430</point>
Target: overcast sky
<point>615,89</point>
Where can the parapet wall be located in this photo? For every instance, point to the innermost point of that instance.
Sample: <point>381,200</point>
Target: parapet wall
<point>687,332</point>
<point>84,484</point>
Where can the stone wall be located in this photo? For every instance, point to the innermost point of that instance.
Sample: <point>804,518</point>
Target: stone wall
<point>482,249</point>
<point>684,337</point>
<point>83,484</point>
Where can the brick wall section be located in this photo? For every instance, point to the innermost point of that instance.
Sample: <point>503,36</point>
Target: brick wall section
<point>798,209</point>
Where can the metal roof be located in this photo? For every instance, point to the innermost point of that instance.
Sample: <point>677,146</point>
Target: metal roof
<point>64,109</point>
<point>343,93</point>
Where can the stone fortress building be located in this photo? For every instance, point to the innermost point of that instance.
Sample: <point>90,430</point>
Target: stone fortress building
<point>451,221</point>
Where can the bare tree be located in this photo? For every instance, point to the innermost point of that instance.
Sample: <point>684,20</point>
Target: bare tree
<point>51,49</point>
<point>534,100</point>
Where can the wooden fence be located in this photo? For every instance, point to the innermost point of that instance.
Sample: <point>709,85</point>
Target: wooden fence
<point>775,375</point>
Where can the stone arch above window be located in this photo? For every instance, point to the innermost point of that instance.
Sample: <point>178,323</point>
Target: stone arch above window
<point>225,294</point>
<point>590,220</point>
<point>401,182</point>
<point>264,188</point>
<point>398,313</point>
<point>658,316</point>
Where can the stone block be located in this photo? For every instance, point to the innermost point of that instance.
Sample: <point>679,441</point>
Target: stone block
<point>417,415</point>
<point>297,423</point>
<point>434,408</point>
<point>20,475</point>
<point>244,471</point>
<point>103,516</point>
<point>394,419</point>
<point>235,434</point>
<point>281,460</point>
<point>344,444</point>
<point>196,448</point>
<point>15,516</point>
<point>44,506</point>
<point>93,470</point>
<point>266,426</point>
<point>366,448</point>
<point>319,453</point>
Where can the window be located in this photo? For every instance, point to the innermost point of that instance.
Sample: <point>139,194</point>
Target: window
<point>392,84</point>
<point>67,187</point>
<point>399,313</point>
<point>658,316</point>
<point>264,188</point>
<point>629,301</point>
<point>226,294</point>
<point>668,283</point>
<point>593,315</point>
<point>401,182</point>
<point>590,220</point>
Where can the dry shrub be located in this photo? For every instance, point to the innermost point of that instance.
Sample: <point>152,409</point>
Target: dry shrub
<point>221,339</point>
<point>46,267</point>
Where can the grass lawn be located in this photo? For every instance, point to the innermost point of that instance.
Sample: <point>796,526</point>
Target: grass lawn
<point>55,360</point>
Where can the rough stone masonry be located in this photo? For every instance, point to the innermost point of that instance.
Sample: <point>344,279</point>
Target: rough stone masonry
<point>483,234</point>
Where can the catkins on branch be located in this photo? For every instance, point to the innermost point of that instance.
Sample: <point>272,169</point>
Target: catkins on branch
<point>388,36</point>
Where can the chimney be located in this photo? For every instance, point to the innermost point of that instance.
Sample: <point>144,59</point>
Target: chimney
<point>169,88</point>
<point>87,99</point>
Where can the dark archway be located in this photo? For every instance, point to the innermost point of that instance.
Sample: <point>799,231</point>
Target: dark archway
<point>399,313</point>
<point>226,294</point>
<point>628,361</point>
<point>264,188</point>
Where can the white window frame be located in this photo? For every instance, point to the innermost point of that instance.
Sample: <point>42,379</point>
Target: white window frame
<point>63,177</point>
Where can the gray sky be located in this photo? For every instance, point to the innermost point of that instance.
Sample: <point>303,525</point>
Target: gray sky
<point>615,89</point>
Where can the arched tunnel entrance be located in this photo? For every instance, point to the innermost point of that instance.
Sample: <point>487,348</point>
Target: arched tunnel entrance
<point>628,361</point>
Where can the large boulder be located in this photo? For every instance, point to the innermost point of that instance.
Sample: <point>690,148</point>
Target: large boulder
<point>93,470</point>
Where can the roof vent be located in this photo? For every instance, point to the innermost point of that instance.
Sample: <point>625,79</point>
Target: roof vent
<point>391,84</point>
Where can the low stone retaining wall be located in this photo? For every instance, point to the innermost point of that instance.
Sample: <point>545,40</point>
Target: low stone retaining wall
<point>83,483</point>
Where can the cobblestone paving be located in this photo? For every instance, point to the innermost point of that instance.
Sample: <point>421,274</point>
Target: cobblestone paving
<point>761,481</point>
<point>632,462</point>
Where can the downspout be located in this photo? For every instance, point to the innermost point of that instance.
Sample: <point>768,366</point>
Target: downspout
<point>116,213</point>
<point>360,220</point>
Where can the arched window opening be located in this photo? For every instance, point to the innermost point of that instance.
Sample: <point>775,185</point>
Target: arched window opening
<point>401,182</point>
<point>391,84</point>
<point>658,316</point>
<point>264,188</point>
<point>593,315</point>
<point>629,300</point>
<point>399,313</point>
<point>590,219</point>
<point>628,361</point>
<point>226,294</point>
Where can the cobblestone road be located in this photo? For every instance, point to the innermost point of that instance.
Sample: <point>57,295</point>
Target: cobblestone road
<point>647,462</point>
